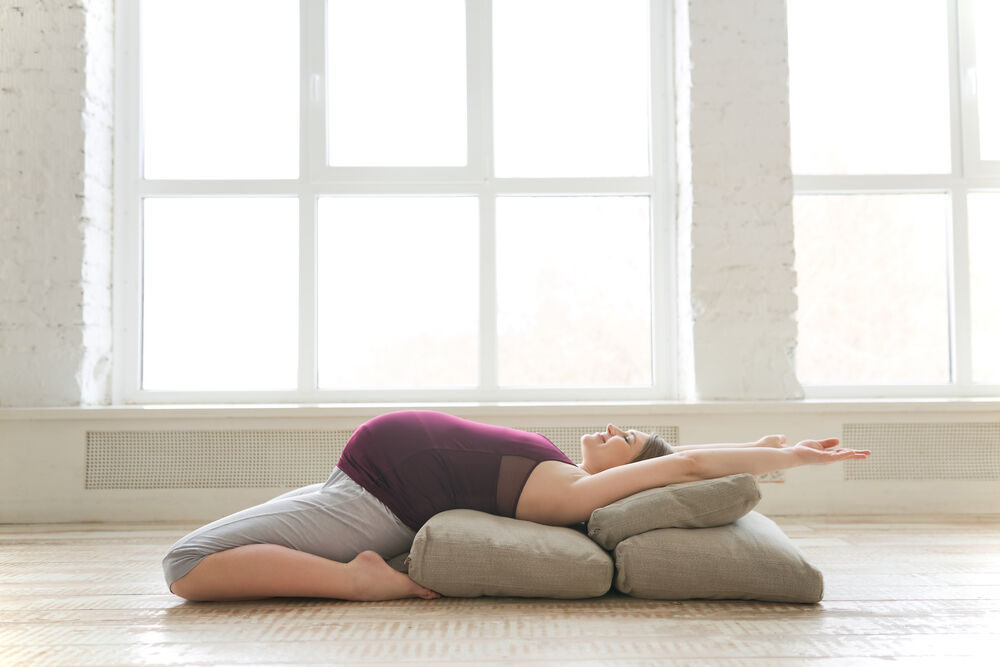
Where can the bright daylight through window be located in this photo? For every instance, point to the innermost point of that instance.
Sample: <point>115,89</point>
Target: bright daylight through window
<point>389,199</point>
<point>895,217</point>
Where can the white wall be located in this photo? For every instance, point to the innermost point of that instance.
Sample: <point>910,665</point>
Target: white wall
<point>55,201</point>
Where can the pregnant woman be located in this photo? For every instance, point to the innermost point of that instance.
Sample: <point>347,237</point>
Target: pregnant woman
<point>400,469</point>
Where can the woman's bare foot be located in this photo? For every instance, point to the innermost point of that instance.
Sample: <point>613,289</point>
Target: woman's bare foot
<point>373,579</point>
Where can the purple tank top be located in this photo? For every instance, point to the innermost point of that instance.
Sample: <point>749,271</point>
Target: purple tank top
<point>420,463</point>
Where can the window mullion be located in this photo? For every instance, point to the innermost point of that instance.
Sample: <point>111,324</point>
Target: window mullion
<point>662,177</point>
<point>964,150</point>
<point>313,92</point>
<point>488,349</point>
<point>962,65</point>
<point>312,142</point>
<point>961,306</point>
<point>962,22</point>
<point>479,86</point>
<point>127,292</point>
<point>308,297</point>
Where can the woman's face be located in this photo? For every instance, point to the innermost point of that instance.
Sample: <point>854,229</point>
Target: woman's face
<point>610,448</point>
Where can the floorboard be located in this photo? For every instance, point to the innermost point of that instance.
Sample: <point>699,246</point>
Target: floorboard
<point>921,590</point>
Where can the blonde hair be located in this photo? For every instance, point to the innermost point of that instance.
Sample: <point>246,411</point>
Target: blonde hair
<point>655,446</point>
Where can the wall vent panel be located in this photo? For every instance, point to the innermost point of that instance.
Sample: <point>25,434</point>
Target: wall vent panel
<point>959,451</point>
<point>210,459</point>
<point>225,459</point>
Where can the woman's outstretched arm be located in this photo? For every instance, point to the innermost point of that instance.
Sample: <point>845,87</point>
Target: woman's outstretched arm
<point>587,493</point>
<point>766,441</point>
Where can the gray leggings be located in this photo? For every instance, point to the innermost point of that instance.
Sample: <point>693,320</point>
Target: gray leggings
<point>336,520</point>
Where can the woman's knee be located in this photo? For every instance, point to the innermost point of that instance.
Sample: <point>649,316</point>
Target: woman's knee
<point>184,588</point>
<point>178,565</point>
<point>194,585</point>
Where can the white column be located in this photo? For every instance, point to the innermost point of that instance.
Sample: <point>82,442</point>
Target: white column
<point>735,194</point>
<point>56,73</point>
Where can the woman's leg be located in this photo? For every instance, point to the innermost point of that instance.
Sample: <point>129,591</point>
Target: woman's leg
<point>260,571</point>
<point>309,542</point>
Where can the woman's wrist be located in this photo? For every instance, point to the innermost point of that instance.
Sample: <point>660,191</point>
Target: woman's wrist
<point>792,457</point>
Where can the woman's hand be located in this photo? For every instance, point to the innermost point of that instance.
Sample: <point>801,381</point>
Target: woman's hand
<point>820,452</point>
<point>779,442</point>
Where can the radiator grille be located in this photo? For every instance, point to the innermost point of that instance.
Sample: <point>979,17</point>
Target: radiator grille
<point>210,459</point>
<point>968,451</point>
<point>247,459</point>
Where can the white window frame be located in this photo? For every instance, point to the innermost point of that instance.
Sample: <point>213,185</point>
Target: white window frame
<point>317,179</point>
<point>969,174</point>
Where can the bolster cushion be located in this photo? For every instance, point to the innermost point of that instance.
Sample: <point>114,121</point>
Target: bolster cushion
<point>702,504</point>
<point>750,559</point>
<point>465,553</point>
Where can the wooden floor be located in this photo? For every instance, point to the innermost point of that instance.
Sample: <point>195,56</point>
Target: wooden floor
<point>918,590</point>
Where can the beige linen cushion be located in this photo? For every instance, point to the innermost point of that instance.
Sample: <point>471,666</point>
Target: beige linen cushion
<point>702,504</point>
<point>465,553</point>
<point>750,559</point>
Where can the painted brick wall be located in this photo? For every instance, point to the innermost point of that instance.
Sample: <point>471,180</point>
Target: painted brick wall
<point>56,64</point>
<point>734,200</point>
<point>737,326</point>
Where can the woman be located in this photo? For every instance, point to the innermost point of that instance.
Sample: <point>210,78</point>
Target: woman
<point>398,470</point>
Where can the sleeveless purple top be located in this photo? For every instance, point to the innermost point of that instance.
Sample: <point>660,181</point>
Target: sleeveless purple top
<point>420,463</point>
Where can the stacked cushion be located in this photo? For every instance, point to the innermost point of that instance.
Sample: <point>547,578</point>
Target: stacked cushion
<point>465,553</point>
<point>749,559</point>
<point>702,504</point>
<point>693,540</point>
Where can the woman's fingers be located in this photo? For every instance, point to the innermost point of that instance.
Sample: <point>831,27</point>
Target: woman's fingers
<point>851,453</point>
<point>821,445</point>
<point>810,453</point>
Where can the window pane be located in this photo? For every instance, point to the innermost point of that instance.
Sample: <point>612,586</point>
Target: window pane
<point>987,21</point>
<point>873,289</point>
<point>573,291</point>
<point>398,291</point>
<point>984,270</point>
<point>214,103</point>
<point>571,87</point>
<point>220,293</point>
<point>869,86</point>
<point>396,82</point>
